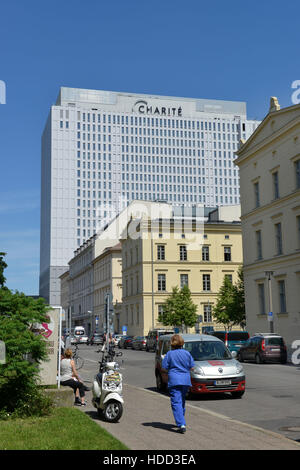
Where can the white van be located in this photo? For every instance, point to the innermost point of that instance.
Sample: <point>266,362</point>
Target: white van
<point>79,331</point>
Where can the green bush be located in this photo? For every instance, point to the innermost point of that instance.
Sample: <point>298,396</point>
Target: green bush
<point>20,394</point>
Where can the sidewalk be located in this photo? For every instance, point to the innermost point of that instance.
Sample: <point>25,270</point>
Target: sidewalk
<point>147,424</point>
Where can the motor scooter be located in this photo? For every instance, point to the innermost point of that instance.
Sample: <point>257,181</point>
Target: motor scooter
<point>107,387</point>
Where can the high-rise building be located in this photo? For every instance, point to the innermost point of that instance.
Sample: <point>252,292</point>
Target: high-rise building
<point>101,150</point>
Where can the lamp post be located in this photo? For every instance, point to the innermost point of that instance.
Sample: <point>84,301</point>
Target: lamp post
<point>90,313</point>
<point>270,314</point>
<point>152,279</point>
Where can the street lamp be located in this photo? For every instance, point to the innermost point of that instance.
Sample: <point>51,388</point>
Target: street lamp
<point>90,313</point>
<point>270,314</point>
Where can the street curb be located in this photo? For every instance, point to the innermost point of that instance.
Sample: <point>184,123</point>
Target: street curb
<point>220,416</point>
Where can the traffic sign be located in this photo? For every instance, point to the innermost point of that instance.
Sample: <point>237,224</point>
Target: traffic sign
<point>270,316</point>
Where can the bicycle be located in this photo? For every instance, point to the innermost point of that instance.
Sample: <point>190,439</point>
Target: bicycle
<point>79,362</point>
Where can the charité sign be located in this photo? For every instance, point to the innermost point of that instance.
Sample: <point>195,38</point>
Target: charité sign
<point>142,107</point>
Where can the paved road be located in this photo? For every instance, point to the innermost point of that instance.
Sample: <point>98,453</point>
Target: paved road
<point>271,401</point>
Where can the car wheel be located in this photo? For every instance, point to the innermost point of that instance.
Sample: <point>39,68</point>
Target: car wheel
<point>238,394</point>
<point>159,383</point>
<point>240,357</point>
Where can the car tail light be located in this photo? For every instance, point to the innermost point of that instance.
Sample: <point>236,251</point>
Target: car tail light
<point>263,345</point>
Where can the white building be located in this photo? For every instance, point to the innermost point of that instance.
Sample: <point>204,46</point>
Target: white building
<point>101,150</point>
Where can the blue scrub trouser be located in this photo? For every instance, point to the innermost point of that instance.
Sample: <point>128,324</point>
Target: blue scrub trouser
<point>178,394</point>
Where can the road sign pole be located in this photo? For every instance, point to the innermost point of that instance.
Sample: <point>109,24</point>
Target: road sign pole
<point>270,315</point>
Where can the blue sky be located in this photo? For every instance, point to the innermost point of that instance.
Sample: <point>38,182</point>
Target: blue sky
<point>230,50</point>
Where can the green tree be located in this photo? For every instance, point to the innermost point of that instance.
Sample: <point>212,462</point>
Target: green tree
<point>19,375</point>
<point>179,309</point>
<point>230,306</point>
<point>239,297</point>
<point>3,265</point>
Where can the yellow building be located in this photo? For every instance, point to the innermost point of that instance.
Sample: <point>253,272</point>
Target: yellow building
<point>107,280</point>
<point>269,164</point>
<point>165,255</point>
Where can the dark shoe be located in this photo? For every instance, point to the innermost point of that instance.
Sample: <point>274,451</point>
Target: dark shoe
<point>77,403</point>
<point>182,429</point>
<point>83,404</point>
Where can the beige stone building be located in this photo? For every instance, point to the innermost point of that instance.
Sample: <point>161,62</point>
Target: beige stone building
<point>81,286</point>
<point>85,284</point>
<point>107,280</point>
<point>165,255</point>
<point>269,163</point>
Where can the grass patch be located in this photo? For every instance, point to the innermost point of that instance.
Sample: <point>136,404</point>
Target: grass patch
<point>64,429</point>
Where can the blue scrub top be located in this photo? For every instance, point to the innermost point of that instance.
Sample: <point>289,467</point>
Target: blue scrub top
<point>178,363</point>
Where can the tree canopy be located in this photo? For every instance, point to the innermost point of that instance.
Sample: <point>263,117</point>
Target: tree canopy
<point>24,349</point>
<point>179,309</point>
<point>230,306</point>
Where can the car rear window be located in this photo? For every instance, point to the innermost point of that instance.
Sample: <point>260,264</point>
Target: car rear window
<point>220,335</point>
<point>238,336</point>
<point>274,341</point>
<point>162,333</point>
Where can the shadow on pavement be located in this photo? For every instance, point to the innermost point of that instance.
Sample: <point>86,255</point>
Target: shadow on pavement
<point>197,397</point>
<point>158,425</point>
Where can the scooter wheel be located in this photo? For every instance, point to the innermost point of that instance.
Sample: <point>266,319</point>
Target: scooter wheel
<point>113,411</point>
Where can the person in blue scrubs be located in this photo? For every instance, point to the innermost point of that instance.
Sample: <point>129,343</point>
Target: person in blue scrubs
<point>178,362</point>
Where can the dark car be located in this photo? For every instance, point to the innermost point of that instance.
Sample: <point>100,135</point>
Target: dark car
<point>96,338</point>
<point>264,347</point>
<point>139,342</point>
<point>153,337</point>
<point>232,339</point>
<point>125,342</point>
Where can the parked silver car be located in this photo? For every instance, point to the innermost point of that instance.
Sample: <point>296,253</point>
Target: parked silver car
<point>216,369</point>
<point>84,339</point>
